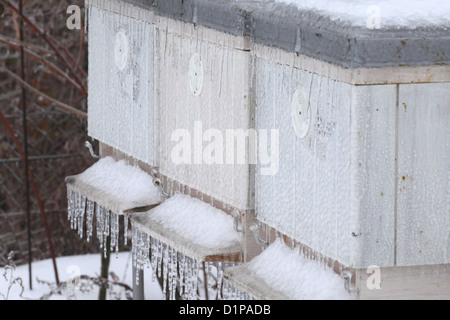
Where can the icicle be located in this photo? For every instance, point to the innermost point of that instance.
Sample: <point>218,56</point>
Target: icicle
<point>194,280</point>
<point>106,231</point>
<point>81,213</point>
<point>187,278</point>
<point>135,252</point>
<point>76,207</point>
<point>170,272</point>
<point>159,258</point>
<point>147,250</point>
<point>165,258</point>
<point>114,232</point>
<point>100,223</point>
<point>209,276</point>
<point>153,257</point>
<point>89,217</point>
<point>125,229</point>
<point>70,205</point>
<point>174,273</point>
<point>219,279</point>
<point>182,266</point>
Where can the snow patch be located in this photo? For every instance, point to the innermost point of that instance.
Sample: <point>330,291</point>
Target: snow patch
<point>128,184</point>
<point>285,270</point>
<point>196,221</point>
<point>392,13</point>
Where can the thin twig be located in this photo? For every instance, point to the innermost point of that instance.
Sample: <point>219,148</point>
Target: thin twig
<point>55,46</point>
<point>58,103</point>
<point>31,46</point>
<point>47,63</point>
<point>35,191</point>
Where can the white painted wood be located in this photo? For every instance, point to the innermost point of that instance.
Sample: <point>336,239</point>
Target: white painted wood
<point>302,199</point>
<point>423,175</point>
<point>122,104</point>
<point>223,104</point>
<point>373,173</point>
<point>334,190</point>
<point>406,283</point>
<point>358,76</point>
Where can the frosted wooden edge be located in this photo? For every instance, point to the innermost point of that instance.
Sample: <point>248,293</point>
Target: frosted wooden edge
<point>132,9</point>
<point>105,200</point>
<point>187,30</point>
<point>144,223</point>
<point>356,76</point>
<point>299,31</point>
<point>245,280</point>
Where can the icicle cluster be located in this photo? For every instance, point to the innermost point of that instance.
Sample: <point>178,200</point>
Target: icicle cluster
<point>231,293</point>
<point>107,223</point>
<point>180,273</point>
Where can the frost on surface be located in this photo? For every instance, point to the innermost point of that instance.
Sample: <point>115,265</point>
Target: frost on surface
<point>285,270</point>
<point>188,232</point>
<point>231,293</point>
<point>179,272</point>
<point>391,13</point>
<point>122,106</point>
<point>107,222</point>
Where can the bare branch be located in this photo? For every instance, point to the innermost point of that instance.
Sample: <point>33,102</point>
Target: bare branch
<point>58,103</point>
<point>47,63</point>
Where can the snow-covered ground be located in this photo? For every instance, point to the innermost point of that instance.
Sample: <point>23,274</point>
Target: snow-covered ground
<point>69,267</point>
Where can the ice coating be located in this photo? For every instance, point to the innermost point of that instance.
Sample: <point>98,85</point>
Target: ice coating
<point>102,193</point>
<point>285,270</point>
<point>122,109</point>
<point>180,273</point>
<point>177,238</point>
<point>392,13</point>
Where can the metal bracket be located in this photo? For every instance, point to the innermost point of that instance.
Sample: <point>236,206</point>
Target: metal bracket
<point>262,243</point>
<point>157,183</point>
<point>236,216</point>
<point>347,276</point>
<point>91,150</point>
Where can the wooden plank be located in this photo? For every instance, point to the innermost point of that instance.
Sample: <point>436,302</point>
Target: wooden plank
<point>423,175</point>
<point>358,76</point>
<point>373,175</point>
<point>143,221</point>
<point>222,104</point>
<point>407,283</point>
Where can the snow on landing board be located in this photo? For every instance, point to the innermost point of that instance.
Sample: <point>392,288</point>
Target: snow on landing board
<point>190,226</point>
<point>115,186</point>
<point>280,273</point>
<point>391,13</point>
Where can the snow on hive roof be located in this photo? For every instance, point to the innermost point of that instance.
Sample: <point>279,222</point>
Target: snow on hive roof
<point>400,13</point>
<point>285,270</point>
<point>115,185</point>
<point>197,221</point>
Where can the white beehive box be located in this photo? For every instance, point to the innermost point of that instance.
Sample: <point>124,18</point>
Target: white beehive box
<point>364,164</point>
<point>123,108</point>
<point>204,88</point>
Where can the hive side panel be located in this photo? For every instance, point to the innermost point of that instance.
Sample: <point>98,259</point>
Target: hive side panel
<point>121,90</point>
<point>424,175</point>
<point>373,173</point>
<point>194,123</point>
<point>275,191</point>
<point>308,198</point>
<point>96,87</point>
